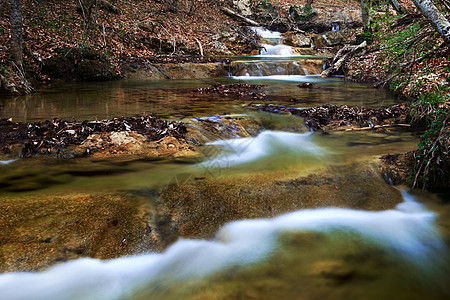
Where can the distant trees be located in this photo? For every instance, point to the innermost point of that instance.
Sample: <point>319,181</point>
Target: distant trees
<point>16,32</point>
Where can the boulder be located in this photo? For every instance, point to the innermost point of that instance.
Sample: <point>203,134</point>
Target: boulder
<point>296,39</point>
<point>243,7</point>
<point>132,143</point>
<point>81,64</point>
<point>302,12</point>
<point>332,38</point>
<point>93,70</point>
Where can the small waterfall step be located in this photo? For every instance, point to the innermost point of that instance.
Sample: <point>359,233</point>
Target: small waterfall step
<point>276,58</point>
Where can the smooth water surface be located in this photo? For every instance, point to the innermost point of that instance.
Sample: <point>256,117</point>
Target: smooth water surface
<point>176,99</point>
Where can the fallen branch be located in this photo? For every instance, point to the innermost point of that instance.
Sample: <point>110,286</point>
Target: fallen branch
<point>199,46</point>
<point>377,127</point>
<point>341,57</point>
<point>239,16</point>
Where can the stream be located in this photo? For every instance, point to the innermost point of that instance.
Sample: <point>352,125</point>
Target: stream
<point>381,250</point>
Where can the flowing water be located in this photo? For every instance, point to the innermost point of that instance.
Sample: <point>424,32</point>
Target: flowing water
<point>331,253</point>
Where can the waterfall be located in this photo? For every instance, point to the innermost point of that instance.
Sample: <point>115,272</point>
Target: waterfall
<point>276,58</point>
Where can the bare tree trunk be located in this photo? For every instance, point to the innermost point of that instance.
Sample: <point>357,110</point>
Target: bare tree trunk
<point>365,16</point>
<point>16,32</point>
<point>398,7</point>
<point>435,17</point>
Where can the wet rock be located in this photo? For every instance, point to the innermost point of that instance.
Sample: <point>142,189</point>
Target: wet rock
<point>193,70</point>
<point>397,169</point>
<point>336,270</point>
<point>333,38</point>
<point>174,67</point>
<point>132,143</point>
<point>199,208</point>
<point>41,231</point>
<point>306,85</point>
<point>207,129</point>
<point>296,39</point>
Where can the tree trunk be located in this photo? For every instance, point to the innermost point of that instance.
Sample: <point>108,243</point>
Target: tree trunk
<point>365,16</point>
<point>341,58</point>
<point>16,32</point>
<point>434,16</point>
<point>398,7</point>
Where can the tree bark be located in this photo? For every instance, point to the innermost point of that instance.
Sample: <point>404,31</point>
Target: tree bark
<point>365,16</point>
<point>398,7</point>
<point>341,57</point>
<point>435,17</point>
<point>240,17</point>
<point>16,32</point>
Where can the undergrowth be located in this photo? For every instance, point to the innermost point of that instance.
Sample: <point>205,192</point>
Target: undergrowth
<point>432,109</point>
<point>414,62</point>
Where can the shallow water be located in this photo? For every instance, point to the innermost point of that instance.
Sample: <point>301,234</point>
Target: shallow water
<point>325,245</point>
<point>176,99</point>
<point>323,253</point>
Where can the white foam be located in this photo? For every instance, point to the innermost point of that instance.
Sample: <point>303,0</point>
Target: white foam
<point>293,78</point>
<point>277,51</point>
<point>409,234</point>
<point>267,143</point>
<point>266,33</point>
<point>5,162</point>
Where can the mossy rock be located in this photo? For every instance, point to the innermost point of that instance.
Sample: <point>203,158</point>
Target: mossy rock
<point>79,64</point>
<point>93,70</point>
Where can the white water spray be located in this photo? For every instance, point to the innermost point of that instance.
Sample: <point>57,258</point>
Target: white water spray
<point>5,162</point>
<point>407,232</point>
<point>267,143</point>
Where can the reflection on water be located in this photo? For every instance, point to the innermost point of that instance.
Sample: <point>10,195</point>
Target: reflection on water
<point>175,98</point>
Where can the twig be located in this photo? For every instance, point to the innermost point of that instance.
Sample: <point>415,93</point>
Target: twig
<point>104,34</point>
<point>378,126</point>
<point>199,46</point>
<point>429,152</point>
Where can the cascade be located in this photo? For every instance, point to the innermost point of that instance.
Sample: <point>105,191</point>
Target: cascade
<point>267,143</point>
<point>275,58</point>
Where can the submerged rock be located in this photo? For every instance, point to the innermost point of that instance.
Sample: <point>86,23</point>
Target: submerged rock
<point>198,208</point>
<point>41,231</point>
